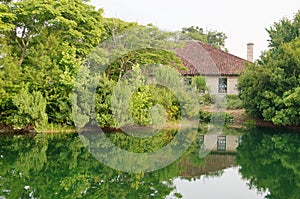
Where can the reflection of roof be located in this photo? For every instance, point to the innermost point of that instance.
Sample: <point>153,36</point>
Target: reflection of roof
<point>213,163</point>
<point>203,59</point>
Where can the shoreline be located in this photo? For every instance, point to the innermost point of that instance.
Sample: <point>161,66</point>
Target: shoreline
<point>240,121</point>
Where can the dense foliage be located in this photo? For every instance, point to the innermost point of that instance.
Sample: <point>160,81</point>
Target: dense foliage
<point>233,102</point>
<point>211,37</point>
<point>44,45</point>
<point>270,88</point>
<point>135,102</point>
<point>114,70</point>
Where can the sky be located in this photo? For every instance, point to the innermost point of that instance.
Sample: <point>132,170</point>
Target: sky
<point>242,21</point>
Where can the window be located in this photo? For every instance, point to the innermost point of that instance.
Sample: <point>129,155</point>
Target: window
<point>221,143</point>
<point>222,86</point>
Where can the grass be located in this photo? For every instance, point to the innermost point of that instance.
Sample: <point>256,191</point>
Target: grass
<point>56,128</point>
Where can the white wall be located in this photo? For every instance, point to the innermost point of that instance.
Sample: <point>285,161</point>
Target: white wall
<point>212,83</point>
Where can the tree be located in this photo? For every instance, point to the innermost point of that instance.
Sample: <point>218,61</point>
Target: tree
<point>114,58</point>
<point>73,21</point>
<point>270,87</point>
<point>43,44</point>
<point>140,45</point>
<point>6,17</point>
<point>115,26</point>
<point>199,83</point>
<point>211,37</point>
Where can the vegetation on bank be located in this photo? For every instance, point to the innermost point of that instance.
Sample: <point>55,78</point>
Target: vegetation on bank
<point>50,50</point>
<point>45,44</point>
<point>270,88</point>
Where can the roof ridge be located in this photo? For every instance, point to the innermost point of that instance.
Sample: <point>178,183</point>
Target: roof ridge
<point>210,46</point>
<point>225,62</point>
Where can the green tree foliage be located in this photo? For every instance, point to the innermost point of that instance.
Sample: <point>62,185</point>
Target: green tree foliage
<point>270,87</point>
<point>31,109</point>
<point>143,56</point>
<point>199,83</point>
<point>112,61</point>
<point>42,45</point>
<point>10,81</point>
<point>46,45</point>
<point>73,21</point>
<point>5,18</point>
<point>140,45</point>
<point>136,101</point>
<point>103,101</point>
<point>211,37</point>
<point>233,102</point>
<point>115,26</point>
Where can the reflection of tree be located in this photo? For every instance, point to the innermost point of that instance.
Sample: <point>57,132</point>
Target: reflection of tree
<point>59,166</point>
<point>271,161</point>
<point>51,167</point>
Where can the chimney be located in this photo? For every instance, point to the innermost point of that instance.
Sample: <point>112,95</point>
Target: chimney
<point>250,52</point>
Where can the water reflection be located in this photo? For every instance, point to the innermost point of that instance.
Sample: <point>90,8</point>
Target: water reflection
<point>220,143</point>
<point>271,161</point>
<point>60,166</point>
<point>227,184</point>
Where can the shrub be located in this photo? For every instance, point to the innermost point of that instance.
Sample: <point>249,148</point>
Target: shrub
<point>233,102</point>
<point>31,109</point>
<point>206,117</point>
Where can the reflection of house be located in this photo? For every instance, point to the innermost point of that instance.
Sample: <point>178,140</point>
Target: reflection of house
<point>213,163</point>
<point>220,143</point>
<point>220,68</point>
<point>223,148</point>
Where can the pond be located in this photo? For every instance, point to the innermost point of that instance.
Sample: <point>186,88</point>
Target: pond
<point>260,163</point>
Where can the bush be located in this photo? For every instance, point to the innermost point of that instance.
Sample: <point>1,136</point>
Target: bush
<point>233,102</point>
<point>31,109</point>
<point>207,99</point>
<point>206,117</point>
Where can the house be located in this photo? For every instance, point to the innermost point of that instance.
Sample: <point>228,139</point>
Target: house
<point>221,69</point>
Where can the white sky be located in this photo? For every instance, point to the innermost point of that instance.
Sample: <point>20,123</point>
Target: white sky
<point>242,21</point>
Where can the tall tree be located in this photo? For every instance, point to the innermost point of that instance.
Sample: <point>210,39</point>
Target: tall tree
<point>142,45</point>
<point>44,43</point>
<point>211,37</point>
<point>270,88</point>
<point>137,45</point>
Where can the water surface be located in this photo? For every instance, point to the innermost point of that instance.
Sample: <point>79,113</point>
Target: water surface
<point>260,164</point>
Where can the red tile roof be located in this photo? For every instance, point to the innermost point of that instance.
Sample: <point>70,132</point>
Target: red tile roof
<point>203,59</point>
